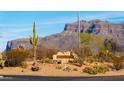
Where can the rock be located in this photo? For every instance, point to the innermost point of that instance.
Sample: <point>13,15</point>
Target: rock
<point>35,68</point>
<point>23,70</point>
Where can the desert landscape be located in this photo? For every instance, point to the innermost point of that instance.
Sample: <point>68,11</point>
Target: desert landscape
<point>83,49</point>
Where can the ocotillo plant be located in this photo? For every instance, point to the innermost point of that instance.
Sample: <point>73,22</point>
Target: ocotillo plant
<point>34,40</point>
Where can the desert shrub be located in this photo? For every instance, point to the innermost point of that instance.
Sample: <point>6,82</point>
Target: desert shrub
<point>2,63</point>
<point>107,51</point>
<point>24,65</point>
<point>96,69</point>
<point>118,65</point>
<point>89,70</point>
<point>15,57</point>
<point>77,61</point>
<point>118,62</point>
<point>54,61</point>
<point>40,61</point>
<point>75,69</point>
<point>80,61</point>
<point>45,53</point>
<point>11,63</point>
<point>101,68</point>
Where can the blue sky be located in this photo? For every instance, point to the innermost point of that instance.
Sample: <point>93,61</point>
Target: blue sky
<point>16,24</point>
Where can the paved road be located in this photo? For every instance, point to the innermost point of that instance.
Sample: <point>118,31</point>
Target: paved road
<point>45,78</point>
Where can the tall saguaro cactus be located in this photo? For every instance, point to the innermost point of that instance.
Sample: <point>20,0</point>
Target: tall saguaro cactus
<point>34,40</point>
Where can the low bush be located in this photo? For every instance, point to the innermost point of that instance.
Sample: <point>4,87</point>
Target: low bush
<point>1,64</point>
<point>24,65</point>
<point>75,69</point>
<point>101,68</point>
<point>96,69</point>
<point>118,65</point>
<point>12,63</point>
<point>15,57</point>
<point>78,62</point>
<point>89,70</point>
<point>1,61</point>
<point>118,62</point>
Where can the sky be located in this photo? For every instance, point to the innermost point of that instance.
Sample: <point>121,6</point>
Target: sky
<point>19,24</point>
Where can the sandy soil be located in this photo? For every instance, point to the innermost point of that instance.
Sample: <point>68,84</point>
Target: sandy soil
<point>51,70</point>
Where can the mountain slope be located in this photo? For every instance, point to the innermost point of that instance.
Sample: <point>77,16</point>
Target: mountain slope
<point>68,38</point>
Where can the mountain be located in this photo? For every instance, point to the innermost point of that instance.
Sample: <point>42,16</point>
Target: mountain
<point>68,38</point>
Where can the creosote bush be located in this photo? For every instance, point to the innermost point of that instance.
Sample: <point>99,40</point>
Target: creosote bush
<point>118,62</point>
<point>15,57</point>
<point>96,69</point>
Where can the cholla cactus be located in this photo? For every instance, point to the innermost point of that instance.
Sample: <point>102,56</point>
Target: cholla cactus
<point>34,40</point>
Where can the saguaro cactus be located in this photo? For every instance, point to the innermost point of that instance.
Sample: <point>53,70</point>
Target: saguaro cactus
<point>34,40</point>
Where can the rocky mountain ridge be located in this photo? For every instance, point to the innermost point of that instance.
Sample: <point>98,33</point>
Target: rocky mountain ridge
<point>68,38</point>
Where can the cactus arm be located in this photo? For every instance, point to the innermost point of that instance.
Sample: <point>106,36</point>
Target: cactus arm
<point>31,40</point>
<point>37,40</point>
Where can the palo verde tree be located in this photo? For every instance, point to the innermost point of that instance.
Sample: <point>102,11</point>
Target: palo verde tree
<point>90,45</point>
<point>34,40</point>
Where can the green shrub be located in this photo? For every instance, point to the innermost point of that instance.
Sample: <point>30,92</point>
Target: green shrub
<point>96,69</point>
<point>89,70</point>
<point>101,68</point>
<point>24,65</point>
